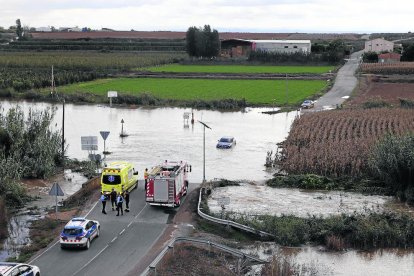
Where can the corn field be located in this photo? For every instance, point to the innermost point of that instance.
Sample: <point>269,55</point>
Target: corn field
<point>388,68</point>
<point>22,71</point>
<point>338,142</point>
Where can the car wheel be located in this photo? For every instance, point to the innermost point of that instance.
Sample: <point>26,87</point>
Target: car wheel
<point>178,203</point>
<point>88,244</point>
<point>38,274</point>
<point>98,231</point>
<point>62,246</point>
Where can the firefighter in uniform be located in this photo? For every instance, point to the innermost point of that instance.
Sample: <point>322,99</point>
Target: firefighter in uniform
<point>126,197</point>
<point>146,174</point>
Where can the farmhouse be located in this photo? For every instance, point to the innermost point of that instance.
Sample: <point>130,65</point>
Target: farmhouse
<point>379,45</point>
<point>242,47</point>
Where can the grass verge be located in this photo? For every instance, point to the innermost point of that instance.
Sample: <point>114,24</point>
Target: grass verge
<point>253,92</point>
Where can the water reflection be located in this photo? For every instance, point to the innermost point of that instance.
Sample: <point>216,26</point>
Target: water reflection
<point>159,134</point>
<point>383,262</point>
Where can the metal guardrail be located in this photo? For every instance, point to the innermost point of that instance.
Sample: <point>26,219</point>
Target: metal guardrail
<point>229,222</point>
<point>235,252</point>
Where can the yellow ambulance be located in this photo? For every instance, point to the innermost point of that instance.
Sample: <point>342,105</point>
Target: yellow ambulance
<point>120,175</point>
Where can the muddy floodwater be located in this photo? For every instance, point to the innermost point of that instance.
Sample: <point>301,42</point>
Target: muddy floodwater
<point>159,134</point>
<point>317,261</point>
<point>254,199</point>
<point>20,222</point>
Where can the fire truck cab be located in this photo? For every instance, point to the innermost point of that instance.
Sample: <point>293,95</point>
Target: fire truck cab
<point>167,183</point>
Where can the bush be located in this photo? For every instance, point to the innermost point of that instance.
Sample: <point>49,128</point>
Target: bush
<point>406,103</point>
<point>392,160</point>
<point>375,104</point>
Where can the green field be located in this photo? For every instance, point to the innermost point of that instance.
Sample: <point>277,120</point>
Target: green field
<point>241,69</point>
<point>255,92</point>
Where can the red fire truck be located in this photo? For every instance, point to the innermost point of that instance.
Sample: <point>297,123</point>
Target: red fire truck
<point>167,183</point>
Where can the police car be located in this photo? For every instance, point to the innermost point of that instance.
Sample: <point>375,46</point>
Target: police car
<point>11,269</point>
<point>79,232</point>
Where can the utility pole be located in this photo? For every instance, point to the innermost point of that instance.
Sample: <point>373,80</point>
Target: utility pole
<point>204,150</point>
<point>286,89</point>
<point>53,92</point>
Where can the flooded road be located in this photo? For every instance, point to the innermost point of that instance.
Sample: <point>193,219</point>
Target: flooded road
<point>159,134</point>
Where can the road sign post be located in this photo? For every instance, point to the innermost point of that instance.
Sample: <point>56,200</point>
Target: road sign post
<point>104,135</point>
<point>112,94</point>
<point>56,191</point>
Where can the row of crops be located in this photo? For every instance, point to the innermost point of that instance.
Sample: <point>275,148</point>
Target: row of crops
<point>26,70</point>
<point>388,68</point>
<point>338,142</point>
<point>118,45</point>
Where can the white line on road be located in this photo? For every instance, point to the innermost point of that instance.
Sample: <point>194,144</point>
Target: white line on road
<point>43,252</point>
<point>123,230</point>
<point>99,253</point>
<point>91,209</point>
<point>141,210</point>
<point>114,239</point>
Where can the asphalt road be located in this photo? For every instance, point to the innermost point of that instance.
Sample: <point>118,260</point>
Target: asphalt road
<point>123,241</point>
<point>345,82</point>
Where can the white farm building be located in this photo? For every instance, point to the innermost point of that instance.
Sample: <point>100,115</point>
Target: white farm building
<point>242,47</point>
<point>379,45</point>
<point>284,46</point>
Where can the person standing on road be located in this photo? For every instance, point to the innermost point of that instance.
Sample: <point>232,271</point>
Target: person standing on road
<point>126,197</point>
<point>146,178</point>
<point>103,200</point>
<point>119,203</point>
<point>113,199</point>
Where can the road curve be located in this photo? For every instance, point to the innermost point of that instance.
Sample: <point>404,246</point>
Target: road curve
<point>123,241</point>
<point>345,82</point>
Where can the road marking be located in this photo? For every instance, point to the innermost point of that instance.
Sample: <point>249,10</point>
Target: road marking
<point>91,209</point>
<point>114,239</point>
<point>123,230</point>
<point>141,210</point>
<point>38,256</point>
<point>99,253</point>
<point>129,224</point>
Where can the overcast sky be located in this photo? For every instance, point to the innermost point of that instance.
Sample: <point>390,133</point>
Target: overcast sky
<point>359,16</point>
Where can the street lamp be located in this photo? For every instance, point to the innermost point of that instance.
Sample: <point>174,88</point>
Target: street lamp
<point>204,150</point>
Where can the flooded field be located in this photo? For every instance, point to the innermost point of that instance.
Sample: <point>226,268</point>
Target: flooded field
<point>159,134</point>
<point>255,199</point>
<point>316,261</point>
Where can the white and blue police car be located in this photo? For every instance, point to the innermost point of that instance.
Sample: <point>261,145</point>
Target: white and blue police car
<point>79,232</point>
<point>11,269</point>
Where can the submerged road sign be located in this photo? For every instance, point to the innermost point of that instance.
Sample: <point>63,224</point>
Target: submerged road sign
<point>56,190</point>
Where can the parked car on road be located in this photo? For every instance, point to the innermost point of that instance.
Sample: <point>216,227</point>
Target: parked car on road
<point>308,104</point>
<point>226,142</point>
<point>79,232</point>
<point>11,269</point>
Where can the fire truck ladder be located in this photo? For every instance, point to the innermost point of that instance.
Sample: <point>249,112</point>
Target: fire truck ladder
<point>171,197</point>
